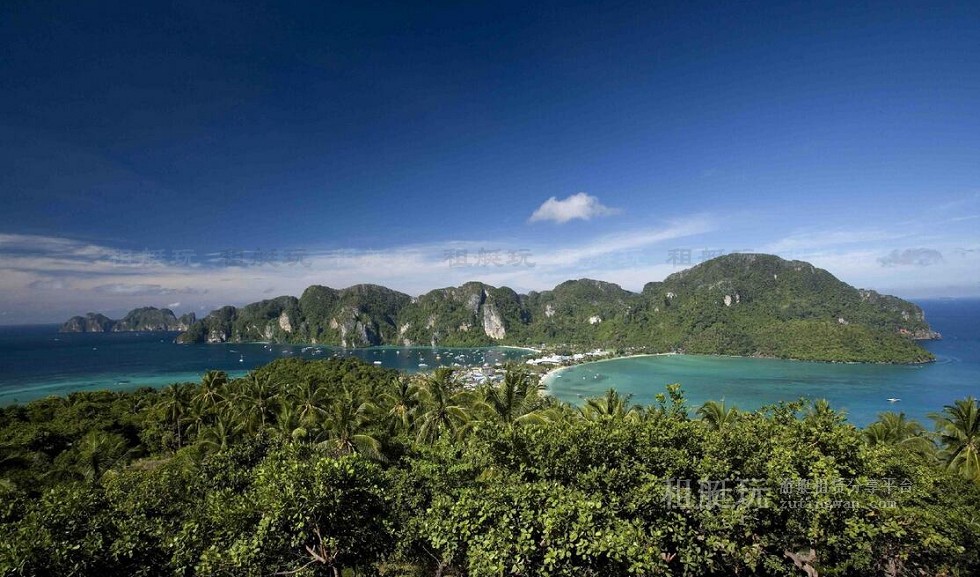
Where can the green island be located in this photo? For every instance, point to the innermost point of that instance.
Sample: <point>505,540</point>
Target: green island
<point>137,320</point>
<point>337,467</point>
<point>736,304</point>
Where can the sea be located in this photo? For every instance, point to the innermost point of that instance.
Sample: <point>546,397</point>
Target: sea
<point>862,391</point>
<point>37,361</point>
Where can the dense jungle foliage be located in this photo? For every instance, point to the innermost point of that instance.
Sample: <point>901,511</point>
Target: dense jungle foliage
<point>341,468</point>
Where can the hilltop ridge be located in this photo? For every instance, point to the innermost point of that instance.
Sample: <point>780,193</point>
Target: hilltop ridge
<point>736,304</point>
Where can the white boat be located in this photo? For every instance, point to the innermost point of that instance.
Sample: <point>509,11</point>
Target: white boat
<point>423,366</point>
<point>377,362</point>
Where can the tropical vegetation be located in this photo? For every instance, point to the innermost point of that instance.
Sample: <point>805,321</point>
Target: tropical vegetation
<point>341,468</point>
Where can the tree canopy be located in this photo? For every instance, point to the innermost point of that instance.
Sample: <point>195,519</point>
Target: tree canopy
<point>342,468</point>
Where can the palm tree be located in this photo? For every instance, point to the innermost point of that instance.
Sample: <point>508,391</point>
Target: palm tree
<point>97,451</point>
<point>198,418</point>
<point>173,406</point>
<point>209,393</point>
<point>257,402</point>
<point>347,427</point>
<point>959,433</point>
<point>893,429</point>
<point>610,406</point>
<point>516,399</point>
<point>287,425</point>
<point>716,415</point>
<point>402,402</point>
<point>309,399</point>
<point>445,407</point>
<point>219,434</point>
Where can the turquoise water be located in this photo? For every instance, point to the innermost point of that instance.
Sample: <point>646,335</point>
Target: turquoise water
<point>862,390</point>
<point>37,361</point>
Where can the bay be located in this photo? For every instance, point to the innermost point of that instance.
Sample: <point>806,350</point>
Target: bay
<point>37,361</point>
<point>861,390</point>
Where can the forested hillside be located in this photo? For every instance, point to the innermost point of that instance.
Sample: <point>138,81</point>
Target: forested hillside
<point>738,304</point>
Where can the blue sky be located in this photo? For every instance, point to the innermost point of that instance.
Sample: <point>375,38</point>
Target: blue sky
<point>196,155</point>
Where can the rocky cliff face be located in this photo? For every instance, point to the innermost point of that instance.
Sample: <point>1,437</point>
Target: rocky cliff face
<point>493,323</point>
<point>142,319</point>
<point>356,328</point>
<point>359,316</point>
<point>474,314</point>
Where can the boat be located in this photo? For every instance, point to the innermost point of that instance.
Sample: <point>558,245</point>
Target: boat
<point>241,359</point>
<point>423,366</point>
<point>377,362</point>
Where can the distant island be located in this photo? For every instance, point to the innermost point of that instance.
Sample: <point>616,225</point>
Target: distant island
<point>737,304</point>
<point>141,319</point>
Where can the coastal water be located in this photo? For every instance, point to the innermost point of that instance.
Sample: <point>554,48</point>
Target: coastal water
<point>37,361</point>
<point>862,390</point>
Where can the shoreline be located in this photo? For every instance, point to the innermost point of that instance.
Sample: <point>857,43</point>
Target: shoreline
<point>549,376</point>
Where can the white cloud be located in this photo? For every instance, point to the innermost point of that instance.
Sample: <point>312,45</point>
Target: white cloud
<point>173,305</point>
<point>581,205</point>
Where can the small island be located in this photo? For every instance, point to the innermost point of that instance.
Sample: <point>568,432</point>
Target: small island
<point>737,304</point>
<point>141,319</point>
